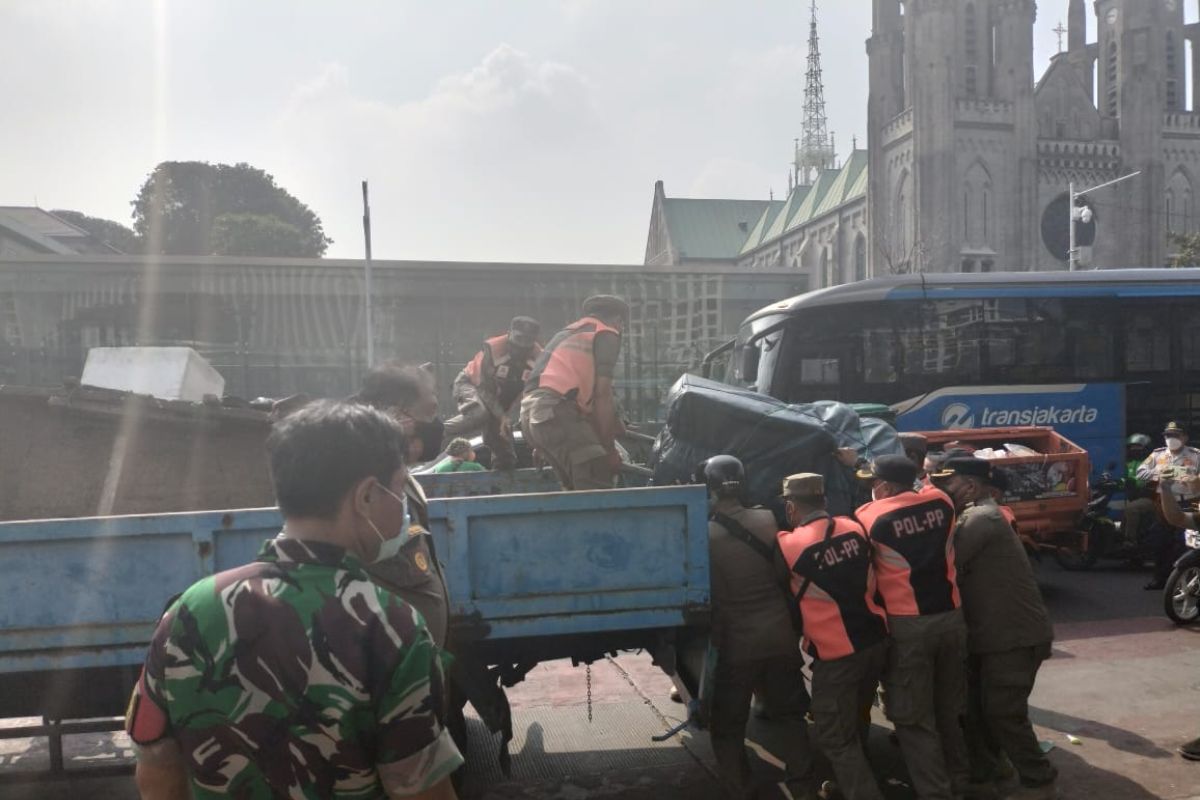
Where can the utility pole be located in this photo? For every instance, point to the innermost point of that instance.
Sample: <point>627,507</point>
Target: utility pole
<point>1076,214</point>
<point>367,284</point>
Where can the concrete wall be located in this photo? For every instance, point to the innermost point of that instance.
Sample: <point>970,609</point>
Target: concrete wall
<point>278,326</point>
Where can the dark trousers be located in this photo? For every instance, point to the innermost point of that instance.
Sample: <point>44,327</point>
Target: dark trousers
<point>474,419</point>
<point>1166,543</point>
<point>925,694</point>
<point>998,688</point>
<point>780,684</point>
<point>841,689</point>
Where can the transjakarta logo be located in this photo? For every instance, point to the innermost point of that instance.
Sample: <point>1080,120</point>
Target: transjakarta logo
<point>960,415</point>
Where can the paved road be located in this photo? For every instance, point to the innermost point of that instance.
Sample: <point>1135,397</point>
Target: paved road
<point>1124,683</point>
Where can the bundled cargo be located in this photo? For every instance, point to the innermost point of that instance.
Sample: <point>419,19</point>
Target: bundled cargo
<point>772,438</point>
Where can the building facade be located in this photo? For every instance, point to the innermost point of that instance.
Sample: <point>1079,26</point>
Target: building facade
<point>969,159</point>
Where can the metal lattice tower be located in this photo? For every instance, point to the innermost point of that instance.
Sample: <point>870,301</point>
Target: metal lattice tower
<point>815,151</point>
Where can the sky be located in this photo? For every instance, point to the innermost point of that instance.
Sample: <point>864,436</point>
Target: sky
<point>490,130</point>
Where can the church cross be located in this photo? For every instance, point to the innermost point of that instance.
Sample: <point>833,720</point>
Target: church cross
<point>1061,31</point>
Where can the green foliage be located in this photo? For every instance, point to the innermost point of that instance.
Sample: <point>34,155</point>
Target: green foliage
<point>253,235</point>
<point>114,234</point>
<point>179,206</point>
<point>1187,246</point>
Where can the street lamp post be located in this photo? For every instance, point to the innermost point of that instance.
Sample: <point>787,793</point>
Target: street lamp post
<point>1084,214</point>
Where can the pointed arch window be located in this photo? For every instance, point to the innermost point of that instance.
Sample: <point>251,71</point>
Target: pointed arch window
<point>1112,75</point>
<point>977,207</point>
<point>1172,83</point>
<point>971,51</point>
<point>860,258</point>
<point>1178,203</point>
<point>902,232</point>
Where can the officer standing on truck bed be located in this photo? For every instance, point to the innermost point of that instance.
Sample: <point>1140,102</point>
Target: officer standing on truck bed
<point>832,581</point>
<point>569,413</point>
<point>757,648</point>
<point>491,385</point>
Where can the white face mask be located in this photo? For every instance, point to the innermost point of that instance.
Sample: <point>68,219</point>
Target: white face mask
<point>1174,443</point>
<point>875,493</point>
<point>391,547</point>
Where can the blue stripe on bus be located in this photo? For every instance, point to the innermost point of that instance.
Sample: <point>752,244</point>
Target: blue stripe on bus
<point>986,292</point>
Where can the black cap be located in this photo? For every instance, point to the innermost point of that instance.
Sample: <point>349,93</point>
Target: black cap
<point>914,441</point>
<point>999,479</point>
<point>967,467</point>
<point>606,305</point>
<point>524,331</point>
<point>1174,427</point>
<point>893,469</point>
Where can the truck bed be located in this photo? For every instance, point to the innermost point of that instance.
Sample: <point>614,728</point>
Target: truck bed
<point>85,594</point>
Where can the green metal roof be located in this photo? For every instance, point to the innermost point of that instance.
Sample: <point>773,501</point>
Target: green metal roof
<point>780,225</point>
<point>714,229</point>
<point>759,231</point>
<point>839,193</point>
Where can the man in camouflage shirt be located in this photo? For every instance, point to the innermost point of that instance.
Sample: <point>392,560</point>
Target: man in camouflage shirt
<point>296,676</point>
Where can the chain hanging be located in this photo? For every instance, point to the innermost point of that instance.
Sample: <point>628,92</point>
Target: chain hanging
<point>589,692</point>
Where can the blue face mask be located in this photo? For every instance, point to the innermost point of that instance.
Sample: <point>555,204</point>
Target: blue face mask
<point>390,547</point>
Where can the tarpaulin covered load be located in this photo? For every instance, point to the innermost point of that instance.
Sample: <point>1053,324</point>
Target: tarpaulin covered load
<point>773,439</point>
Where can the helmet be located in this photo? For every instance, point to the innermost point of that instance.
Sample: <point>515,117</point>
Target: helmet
<point>1138,440</point>
<point>724,475</point>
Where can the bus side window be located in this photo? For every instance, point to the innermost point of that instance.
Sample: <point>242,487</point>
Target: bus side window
<point>1147,342</point>
<point>748,357</point>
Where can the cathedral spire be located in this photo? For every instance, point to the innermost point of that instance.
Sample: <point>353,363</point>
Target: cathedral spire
<point>815,151</point>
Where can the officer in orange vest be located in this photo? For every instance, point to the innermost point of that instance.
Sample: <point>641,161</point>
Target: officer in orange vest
<point>925,680</point>
<point>569,413</point>
<point>488,389</point>
<point>832,579</point>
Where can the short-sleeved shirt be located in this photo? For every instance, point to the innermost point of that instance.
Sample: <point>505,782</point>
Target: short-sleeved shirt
<point>453,465</point>
<point>295,676</point>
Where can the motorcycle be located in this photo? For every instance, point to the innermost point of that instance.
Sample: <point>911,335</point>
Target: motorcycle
<point>1181,597</point>
<point>1099,536</point>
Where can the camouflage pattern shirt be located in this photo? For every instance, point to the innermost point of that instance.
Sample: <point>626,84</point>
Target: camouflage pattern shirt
<point>294,676</point>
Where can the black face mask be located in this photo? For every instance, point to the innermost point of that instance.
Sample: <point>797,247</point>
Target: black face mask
<point>430,436</point>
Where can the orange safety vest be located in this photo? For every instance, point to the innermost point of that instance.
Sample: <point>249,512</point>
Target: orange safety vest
<point>502,361</point>
<point>568,365</point>
<point>913,536</point>
<point>831,571</point>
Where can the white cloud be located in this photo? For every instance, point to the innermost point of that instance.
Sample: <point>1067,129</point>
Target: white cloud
<point>483,144</point>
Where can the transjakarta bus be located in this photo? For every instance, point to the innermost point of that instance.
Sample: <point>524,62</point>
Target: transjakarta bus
<point>1096,355</point>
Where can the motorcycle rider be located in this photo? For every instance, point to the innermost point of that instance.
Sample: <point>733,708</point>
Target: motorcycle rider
<point>1179,518</point>
<point>1139,507</point>
<point>1176,459</point>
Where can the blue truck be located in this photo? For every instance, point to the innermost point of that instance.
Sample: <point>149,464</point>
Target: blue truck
<point>534,575</point>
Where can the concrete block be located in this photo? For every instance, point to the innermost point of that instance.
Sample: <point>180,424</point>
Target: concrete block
<point>168,373</point>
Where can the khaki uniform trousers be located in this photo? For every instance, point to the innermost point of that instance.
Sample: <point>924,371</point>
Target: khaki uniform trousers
<point>925,694</point>
<point>780,684</point>
<point>999,685</point>
<point>566,440</point>
<point>841,689</point>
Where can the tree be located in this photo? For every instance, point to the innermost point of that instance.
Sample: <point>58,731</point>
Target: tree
<point>113,234</point>
<point>1187,252</point>
<point>253,235</point>
<point>178,208</point>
